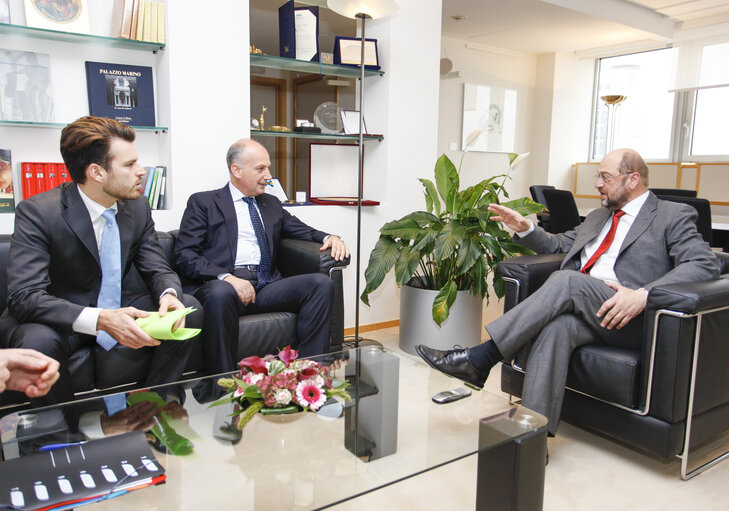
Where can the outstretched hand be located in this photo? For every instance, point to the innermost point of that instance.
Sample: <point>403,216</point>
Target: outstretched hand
<point>510,218</point>
<point>622,307</point>
<point>28,371</point>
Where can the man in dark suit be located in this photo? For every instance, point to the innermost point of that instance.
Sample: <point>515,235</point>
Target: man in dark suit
<point>613,259</point>
<point>74,244</point>
<point>226,249</point>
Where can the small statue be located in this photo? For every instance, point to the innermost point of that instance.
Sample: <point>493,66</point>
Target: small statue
<point>263,111</point>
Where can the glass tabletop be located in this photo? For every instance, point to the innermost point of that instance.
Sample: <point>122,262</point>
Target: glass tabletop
<point>391,430</point>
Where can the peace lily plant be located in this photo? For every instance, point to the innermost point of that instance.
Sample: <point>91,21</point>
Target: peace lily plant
<point>454,245</point>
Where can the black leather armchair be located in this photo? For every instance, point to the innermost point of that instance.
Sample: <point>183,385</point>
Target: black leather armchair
<point>94,369</point>
<point>666,398</point>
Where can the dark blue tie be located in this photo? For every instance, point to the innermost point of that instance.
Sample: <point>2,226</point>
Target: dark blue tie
<point>264,266</point>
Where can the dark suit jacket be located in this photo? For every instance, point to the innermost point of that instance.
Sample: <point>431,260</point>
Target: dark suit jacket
<point>208,238</point>
<point>54,269</point>
<point>661,247</point>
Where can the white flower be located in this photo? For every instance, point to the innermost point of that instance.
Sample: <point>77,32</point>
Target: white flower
<point>283,396</point>
<point>252,378</point>
<point>518,160</point>
<point>472,137</point>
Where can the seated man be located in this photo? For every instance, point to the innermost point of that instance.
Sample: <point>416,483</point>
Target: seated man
<point>70,251</point>
<point>613,259</point>
<point>27,371</point>
<point>226,249</point>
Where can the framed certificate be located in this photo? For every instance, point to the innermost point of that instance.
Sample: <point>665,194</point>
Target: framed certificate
<point>347,52</point>
<point>350,122</point>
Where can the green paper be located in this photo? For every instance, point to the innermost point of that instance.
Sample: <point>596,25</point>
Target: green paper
<point>161,327</point>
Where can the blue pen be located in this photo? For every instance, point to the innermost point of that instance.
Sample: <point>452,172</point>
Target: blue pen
<point>52,447</point>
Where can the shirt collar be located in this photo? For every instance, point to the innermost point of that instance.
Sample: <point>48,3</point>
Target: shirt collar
<point>632,207</point>
<point>235,193</point>
<point>95,209</point>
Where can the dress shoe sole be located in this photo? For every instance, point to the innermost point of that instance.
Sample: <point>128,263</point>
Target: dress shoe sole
<point>471,384</point>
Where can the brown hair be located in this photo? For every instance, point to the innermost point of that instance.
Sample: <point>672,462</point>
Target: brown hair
<point>87,140</point>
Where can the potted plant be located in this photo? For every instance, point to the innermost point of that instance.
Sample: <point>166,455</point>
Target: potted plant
<point>452,246</point>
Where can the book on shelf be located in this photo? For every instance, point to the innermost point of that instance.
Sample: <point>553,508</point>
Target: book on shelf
<point>147,26</point>
<point>154,9</point>
<point>121,92</point>
<point>65,16</point>
<point>7,191</point>
<point>135,19</point>
<point>25,86</point>
<point>161,22</point>
<point>39,177</point>
<point>121,21</point>
<point>159,193</point>
<point>153,188</point>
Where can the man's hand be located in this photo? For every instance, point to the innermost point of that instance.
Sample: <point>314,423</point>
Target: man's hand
<point>339,249</point>
<point>137,417</point>
<point>120,324</point>
<point>246,291</point>
<point>28,371</point>
<point>622,306</point>
<point>170,302</point>
<point>510,218</point>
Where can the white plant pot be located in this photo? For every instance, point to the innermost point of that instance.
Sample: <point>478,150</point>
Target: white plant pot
<point>462,327</point>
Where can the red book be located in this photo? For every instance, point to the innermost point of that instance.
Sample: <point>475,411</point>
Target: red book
<point>50,176</point>
<point>28,171</point>
<point>62,173</point>
<point>40,180</point>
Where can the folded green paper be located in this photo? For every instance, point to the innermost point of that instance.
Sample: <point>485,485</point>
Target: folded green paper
<point>161,327</point>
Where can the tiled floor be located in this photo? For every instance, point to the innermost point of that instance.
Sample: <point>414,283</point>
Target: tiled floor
<point>585,472</point>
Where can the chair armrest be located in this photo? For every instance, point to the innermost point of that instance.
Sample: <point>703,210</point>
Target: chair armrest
<point>690,297</point>
<point>531,271</point>
<point>296,257</point>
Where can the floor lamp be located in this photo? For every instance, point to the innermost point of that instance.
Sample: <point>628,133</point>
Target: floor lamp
<point>362,10</point>
<point>612,101</point>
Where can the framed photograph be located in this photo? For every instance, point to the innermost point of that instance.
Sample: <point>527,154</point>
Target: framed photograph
<point>63,15</point>
<point>347,52</point>
<point>350,122</point>
<point>493,110</point>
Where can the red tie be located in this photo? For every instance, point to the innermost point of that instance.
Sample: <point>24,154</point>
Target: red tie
<point>605,242</point>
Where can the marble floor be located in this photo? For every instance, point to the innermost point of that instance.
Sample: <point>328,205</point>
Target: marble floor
<point>585,472</point>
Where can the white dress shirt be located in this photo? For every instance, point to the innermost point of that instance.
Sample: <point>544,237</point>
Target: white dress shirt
<point>247,251</point>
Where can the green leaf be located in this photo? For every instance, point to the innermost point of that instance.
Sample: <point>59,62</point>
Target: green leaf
<point>407,228</point>
<point>512,157</point>
<point>470,197</point>
<point>524,206</point>
<point>448,240</point>
<point>382,258</point>
<point>275,367</point>
<point>447,182</point>
<point>443,301</point>
<point>431,196</point>
<point>406,265</point>
<point>468,253</point>
<point>499,285</point>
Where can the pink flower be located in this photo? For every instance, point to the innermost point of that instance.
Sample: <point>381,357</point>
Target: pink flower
<point>238,392</point>
<point>287,355</point>
<point>255,364</point>
<point>309,395</point>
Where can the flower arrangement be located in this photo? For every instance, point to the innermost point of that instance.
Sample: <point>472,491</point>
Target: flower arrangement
<point>279,385</point>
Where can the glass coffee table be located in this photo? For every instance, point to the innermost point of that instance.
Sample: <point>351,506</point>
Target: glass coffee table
<point>389,432</point>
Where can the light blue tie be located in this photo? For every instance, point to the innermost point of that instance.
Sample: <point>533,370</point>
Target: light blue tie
<point>110,256</point>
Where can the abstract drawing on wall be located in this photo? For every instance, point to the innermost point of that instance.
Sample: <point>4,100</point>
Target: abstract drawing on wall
<point>493,110</point>
<point>25,86</point>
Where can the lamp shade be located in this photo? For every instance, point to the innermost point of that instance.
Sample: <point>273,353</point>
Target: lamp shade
<point>371,8</point>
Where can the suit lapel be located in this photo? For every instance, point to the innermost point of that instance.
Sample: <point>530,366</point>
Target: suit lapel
<point>224,201</point>
<point>77,217</point>
<point>586,232</point>
<point>642,221</point>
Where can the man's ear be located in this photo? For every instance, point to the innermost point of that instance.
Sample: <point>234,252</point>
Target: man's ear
<point>95,172</point>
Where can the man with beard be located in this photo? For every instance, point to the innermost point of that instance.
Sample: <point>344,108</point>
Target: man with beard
<point>632,244</point>
<point>70,251</point>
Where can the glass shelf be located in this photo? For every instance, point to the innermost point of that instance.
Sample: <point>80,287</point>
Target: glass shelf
<point>73,37</point>
<point>325,136</point>
<point>303,66</point>
<point>61,125</point>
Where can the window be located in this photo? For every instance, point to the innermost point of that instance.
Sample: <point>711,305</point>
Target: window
<point>644,119</point>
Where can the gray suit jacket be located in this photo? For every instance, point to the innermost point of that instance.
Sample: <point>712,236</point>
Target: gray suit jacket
<point>661,247</point>
<point>54,269</point>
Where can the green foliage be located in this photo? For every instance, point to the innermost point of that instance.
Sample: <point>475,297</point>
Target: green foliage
<point>453,245</point>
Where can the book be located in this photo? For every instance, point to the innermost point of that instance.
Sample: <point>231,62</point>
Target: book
<point>25,86</point>
<point>153,189</point>
<point>163,189</point>
<point>147,26</point>
<point>140,20</point>
<point>62,172</point>
<point>7,199</point>
<point>154,21</point>
<point>161,23</point>
<point>27,171</point>
<point>65,16</point>
<point>40,180</point>
<point>135,18</point>
<point>51,181</point>
<point>121,92</point>
<point>148,180</point>
<point>121,21</point>
<point>160,171</point>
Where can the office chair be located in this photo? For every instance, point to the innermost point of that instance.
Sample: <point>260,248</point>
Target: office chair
<point>563,214</point>
<point>676,192</point>
<point>537,192</point>
<point>703,208</point>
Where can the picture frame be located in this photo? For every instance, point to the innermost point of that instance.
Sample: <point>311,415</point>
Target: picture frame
<point>350,122</point>
<point>73,17</point>
<point>347,52</point>
<point>493,110</point>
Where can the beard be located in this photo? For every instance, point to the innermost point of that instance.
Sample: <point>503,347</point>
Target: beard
<point>616,200</point>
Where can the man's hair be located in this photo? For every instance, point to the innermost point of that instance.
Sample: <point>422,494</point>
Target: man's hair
<point>87,140</point>
<point>633,162</point>
<point>237,151</point>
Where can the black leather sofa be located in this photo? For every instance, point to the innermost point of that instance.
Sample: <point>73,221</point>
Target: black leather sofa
<point>94,369</point>
<point>666,398</point>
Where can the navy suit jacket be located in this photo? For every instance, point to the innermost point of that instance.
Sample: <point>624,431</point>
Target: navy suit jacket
<point>54,269</point>
<point>208,238</point>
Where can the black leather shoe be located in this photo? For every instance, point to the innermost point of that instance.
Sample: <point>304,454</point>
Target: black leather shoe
<point>454,363</point>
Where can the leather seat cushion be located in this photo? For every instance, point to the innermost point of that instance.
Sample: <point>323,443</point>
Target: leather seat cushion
<point>266,333</point>
<point>593,366</point>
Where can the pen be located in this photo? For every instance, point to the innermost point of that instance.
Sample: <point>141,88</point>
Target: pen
<point>51,447</point>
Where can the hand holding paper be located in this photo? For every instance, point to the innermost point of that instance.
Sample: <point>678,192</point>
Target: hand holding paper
<point>161,327</point>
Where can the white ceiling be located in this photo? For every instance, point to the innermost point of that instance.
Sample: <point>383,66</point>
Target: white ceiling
<point>541,26</point>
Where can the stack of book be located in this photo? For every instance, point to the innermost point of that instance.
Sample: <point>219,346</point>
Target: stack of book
<point>154,186</point>
<point>142,20</point>
<point>39,177</point>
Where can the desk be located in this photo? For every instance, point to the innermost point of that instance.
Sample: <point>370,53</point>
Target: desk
<point>310,463</point>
